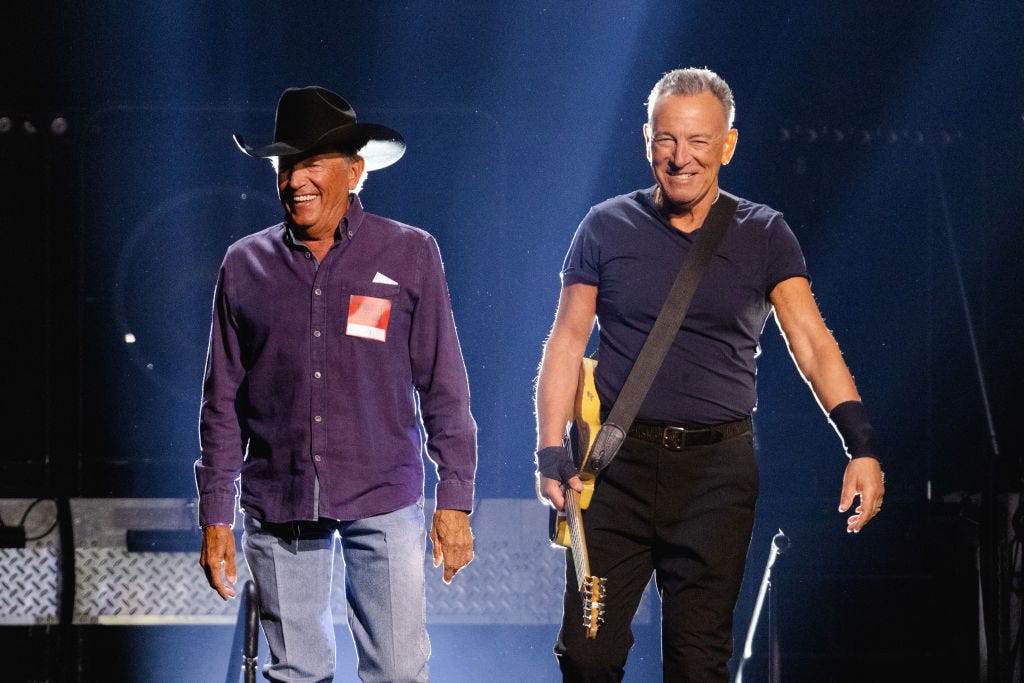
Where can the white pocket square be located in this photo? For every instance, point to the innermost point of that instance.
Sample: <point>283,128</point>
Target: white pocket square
<point>381,278</point>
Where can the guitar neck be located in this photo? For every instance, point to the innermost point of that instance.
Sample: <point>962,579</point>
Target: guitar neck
<point>574,521</point>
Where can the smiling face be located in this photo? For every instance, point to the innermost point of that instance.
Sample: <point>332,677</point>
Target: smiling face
<point>688,140</point>
<point>314,190</point>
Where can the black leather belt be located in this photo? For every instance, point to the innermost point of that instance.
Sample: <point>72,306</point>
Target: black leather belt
<point>677,437</point>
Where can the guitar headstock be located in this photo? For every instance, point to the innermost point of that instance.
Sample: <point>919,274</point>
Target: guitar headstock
<point>593,593</point>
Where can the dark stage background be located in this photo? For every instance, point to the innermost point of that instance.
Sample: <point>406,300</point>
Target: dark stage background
<point>890,135</point>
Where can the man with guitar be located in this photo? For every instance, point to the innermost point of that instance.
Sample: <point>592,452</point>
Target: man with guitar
<point>678,499</point>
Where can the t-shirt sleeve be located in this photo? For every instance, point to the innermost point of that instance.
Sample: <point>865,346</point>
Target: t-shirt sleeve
<point>581,261</point>
<point>785,258</point>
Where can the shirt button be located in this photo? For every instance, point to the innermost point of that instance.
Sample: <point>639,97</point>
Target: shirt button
<point>317,458</point>
<point>317,291</point>
<point>316,333</point>
<point>317,374</point>
<point>308,255</point>
<point>318,419</point>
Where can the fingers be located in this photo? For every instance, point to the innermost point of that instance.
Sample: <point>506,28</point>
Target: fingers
<point>455,560</point>
<point>552,490</point>
<point>846,497</point>
<point>229,565</point>
<point>871,505</point>
<point>225,591</point>
<point>435,545</point>
<point>457,554</point>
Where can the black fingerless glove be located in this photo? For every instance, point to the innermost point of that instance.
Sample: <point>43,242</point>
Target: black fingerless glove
<point>554,462</point>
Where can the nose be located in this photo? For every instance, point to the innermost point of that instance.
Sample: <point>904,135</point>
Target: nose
<point>680,155</point>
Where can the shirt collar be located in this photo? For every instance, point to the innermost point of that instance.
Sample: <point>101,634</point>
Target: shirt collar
<point>348,226</point>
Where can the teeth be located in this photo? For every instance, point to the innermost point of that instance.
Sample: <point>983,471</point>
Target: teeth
<point>303,198</point>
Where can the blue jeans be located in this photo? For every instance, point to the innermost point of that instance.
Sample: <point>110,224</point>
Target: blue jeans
<point>292,565</point>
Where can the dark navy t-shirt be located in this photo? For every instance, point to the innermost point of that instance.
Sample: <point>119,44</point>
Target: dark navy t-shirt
<point>632,254</point>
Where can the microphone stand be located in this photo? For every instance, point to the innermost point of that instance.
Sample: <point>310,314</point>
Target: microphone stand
<point>780,542</point>
<point>245,644</point>
<point>994,619</point>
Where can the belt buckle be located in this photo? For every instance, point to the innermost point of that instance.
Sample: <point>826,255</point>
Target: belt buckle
<point>673,438</point>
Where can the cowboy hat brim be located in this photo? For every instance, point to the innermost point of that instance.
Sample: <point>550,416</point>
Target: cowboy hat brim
<point>378,145</point>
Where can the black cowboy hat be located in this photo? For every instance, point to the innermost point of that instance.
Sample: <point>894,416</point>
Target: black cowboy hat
<point>312,118</point>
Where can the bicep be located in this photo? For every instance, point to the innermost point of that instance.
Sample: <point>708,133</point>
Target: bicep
<point>574,319</point>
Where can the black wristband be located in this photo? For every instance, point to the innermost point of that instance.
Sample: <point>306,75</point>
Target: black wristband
<point>851,423</point>
<point>554,462</point>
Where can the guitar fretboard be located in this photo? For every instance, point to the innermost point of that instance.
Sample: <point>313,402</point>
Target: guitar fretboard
<point>577,541</point>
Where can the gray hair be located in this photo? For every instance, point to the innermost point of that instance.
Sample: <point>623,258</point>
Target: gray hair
<point>693,81</point>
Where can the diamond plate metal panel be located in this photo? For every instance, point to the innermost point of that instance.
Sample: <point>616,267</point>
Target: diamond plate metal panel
<point>28,585</point>
<point>28,576</point>
<point>115,586</point>
<point>515,578</point>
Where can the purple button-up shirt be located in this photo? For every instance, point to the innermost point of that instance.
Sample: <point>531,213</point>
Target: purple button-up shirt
<point>313,375</point>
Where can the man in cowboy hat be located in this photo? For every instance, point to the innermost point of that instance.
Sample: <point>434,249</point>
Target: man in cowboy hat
<point>328,329</point>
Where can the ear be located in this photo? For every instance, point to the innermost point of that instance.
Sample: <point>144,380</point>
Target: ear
<point>355,172</point>
<point>647,141</point>
<point>730,146</point>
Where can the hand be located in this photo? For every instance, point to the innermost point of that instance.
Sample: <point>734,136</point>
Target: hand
<point>864,478</point>
<point>218,555</point>
<point>555,471</point>
<point>554,491</point>
<point>452,541</point>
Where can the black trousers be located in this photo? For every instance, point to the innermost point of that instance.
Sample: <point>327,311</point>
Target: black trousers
<point>685,516</point>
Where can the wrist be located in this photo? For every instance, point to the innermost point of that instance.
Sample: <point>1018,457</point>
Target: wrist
<point>850,420</point>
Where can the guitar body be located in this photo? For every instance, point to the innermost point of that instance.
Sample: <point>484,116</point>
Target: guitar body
<point>585,426</point>
<point>568,525</point>
<point>580,437</point>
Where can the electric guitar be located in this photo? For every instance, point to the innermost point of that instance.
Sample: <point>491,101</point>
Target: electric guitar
<point>568,525</point>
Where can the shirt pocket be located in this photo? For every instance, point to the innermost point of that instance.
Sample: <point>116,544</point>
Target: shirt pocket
<point>367,309</point>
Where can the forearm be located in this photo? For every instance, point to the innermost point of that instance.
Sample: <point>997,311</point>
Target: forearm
<point>220,429</point>
<point>821,365</point>
<point>455,459</point>
<point>811,344</point>
<point>222,448</point>
<point>556,388</point>
<point>217,473</point>
<point>451,439</point>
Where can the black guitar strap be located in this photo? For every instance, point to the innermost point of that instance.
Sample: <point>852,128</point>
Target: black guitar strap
<point>659,340</point>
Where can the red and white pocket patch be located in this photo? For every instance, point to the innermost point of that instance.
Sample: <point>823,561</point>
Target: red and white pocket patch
<point>368,317</point>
